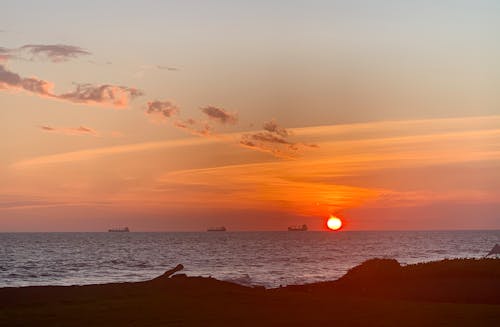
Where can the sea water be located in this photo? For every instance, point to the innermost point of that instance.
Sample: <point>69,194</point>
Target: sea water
<point>270,259</point>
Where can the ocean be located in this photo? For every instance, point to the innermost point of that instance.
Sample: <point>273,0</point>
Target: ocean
<point>269,259</point>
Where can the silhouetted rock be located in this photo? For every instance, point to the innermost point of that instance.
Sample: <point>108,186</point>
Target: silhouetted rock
<point>379,292</point>
<point>374,269</point>
<point>179,276</point>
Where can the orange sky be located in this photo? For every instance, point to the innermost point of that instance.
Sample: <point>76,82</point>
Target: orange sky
<point>289,118</point>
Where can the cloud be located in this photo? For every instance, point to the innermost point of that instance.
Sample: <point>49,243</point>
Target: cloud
<point>408,143</point>
<point>194,127</point>
<point>4,54</point>
<point>266,137</point>
<point>167,68</point>
<point>82,130</point>
<point>273,127</point>
<point>8,78</point>
<point>220,115</point>
<point>273,140</point>
<point>37,86</point>
<point>164,109</point>
<point>105,95</point>
<point>12,81</point>
<point>89,154</point>
<point>270,143</point>
<point>145,68</point>
<point>112,95</point>
<point>53,52</point>
<point>185,124</point>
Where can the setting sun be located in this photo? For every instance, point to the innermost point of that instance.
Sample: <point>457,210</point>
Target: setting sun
<point>334,223</point>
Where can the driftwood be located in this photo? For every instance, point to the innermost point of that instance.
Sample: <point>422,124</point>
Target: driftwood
<point>170,272</point>
<point>495,251</point>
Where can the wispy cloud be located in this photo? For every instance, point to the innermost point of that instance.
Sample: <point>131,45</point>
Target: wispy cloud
<point>170,68</point>
<point>82,130</point>
<point>194,127</point>
<point>4,54</point>
<point>220,115</point>
<point>254,184</point>
<point>273,140</point>
<point>113,150</point>
<point>273,127</point>
<point>428,142</point>
<point>105,95</point>
<point>267,138</point>
<point>267,142</point>
<point>145,68</point>
<point>165,110</point>
<point>53,52</point>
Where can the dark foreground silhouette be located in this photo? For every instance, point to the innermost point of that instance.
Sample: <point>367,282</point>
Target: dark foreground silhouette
<point>379,292</point>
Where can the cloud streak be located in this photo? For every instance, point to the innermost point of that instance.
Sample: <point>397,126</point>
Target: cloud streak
<point>53,52</point>
<point>480,137</point>
<point>173,69</point>
<point>82,130</point>
<point>145,68</point>
<point>195,127</point>
<point>89,154</point>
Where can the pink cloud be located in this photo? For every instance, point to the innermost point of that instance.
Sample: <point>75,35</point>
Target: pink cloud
<point>104,95</point>
<point>107,95</point>
<point>12,81</point>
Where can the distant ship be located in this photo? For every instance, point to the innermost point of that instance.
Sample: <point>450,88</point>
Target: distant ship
<point>298,228</point>
<point>119,230</point>
<point>216,229</point>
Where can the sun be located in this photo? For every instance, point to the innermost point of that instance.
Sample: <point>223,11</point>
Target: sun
<point>334,223</point>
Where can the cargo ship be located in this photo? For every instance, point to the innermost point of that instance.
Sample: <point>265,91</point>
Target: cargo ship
<point>119,230</point>
<point>298,228</point>
<point>216,229</point>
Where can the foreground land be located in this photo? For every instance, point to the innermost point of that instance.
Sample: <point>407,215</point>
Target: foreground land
<point>461,292</point>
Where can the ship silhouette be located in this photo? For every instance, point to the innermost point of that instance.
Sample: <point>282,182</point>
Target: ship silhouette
<point>298,228</point>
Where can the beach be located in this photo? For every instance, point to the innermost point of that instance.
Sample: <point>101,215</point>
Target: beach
<point>379,292</point>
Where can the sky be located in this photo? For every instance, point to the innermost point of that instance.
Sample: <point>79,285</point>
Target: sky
<point>254,115</point>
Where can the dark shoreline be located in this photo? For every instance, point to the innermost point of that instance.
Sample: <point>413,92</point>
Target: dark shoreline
<point>379,292</point>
